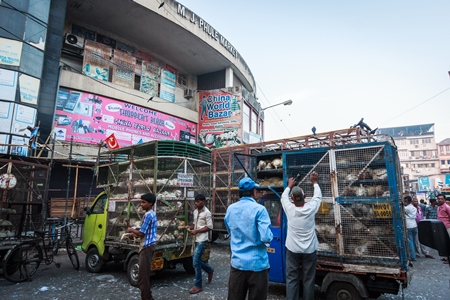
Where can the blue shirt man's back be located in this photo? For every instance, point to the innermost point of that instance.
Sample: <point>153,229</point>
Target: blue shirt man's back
<point>248,223</point>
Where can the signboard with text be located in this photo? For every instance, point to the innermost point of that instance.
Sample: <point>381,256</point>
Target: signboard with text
<point>90,118</point>
<point>220,119</point>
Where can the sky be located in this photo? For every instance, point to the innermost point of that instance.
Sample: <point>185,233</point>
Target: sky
<point>339,61</point>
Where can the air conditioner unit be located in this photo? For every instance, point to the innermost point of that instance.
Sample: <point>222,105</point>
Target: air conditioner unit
<point>188,93</point>
<point>417,171</point>
<point>237,89</point>
<point>74,41</point>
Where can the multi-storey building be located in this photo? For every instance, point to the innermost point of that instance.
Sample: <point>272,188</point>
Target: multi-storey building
<point>141,70</point>
<point>418,155</point>
<point>443,148</point>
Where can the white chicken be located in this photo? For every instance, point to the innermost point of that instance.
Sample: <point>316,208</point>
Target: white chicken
<point>261,165</point>
<point>277,163</point>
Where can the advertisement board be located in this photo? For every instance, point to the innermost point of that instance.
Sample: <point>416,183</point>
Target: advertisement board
<point>90,118</point>
<point>8,85</point>
<point>220,119</point>
<point>29,89</point>
<point>96,60</point>
<point>167,90</point>
<point>123,69</point>
<point>10,52</point>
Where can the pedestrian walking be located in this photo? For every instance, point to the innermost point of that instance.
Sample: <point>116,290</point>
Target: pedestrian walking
<point>200,230</point>
<point>301,242</point>
<point>248,224</point>
<point>147,235</point>
<point>411,225</point>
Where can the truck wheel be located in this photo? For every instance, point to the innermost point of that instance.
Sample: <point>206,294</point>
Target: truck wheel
<point>94,262</point>
<point>133,270</point>
<point>188,265</point>
<point>214,236</point>
<point>341,291</point>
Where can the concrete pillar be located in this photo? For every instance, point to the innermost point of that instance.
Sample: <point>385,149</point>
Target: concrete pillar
<point>229,77</point>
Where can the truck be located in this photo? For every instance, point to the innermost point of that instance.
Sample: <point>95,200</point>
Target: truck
<point>363,249</point>
<point>175,172</point>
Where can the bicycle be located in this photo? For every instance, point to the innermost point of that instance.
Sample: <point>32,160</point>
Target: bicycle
<point>23,260</point>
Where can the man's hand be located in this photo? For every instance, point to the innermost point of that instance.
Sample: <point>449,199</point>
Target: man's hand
<point>314,177</point>
<point>291,182</point>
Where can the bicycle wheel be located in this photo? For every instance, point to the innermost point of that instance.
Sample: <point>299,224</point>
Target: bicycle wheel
<point>22,261</point>
<point>73,256</point>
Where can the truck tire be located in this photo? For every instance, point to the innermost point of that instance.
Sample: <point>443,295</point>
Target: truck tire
<point>214,236</point>
<point>188,265</point>
<point>133,270</point>
<point>341,291</point>
<point>94,262</point>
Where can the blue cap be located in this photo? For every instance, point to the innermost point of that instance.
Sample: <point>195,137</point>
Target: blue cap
<point>247,184</point>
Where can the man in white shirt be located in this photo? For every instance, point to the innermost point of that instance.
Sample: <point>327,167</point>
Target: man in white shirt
<point>411,225</point>
<point>202,225</point>
<point>301,241</point>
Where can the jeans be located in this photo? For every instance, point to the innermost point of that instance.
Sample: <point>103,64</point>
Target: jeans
<point>412,232</point>
<point>307,274</point>
<point>199,264</point>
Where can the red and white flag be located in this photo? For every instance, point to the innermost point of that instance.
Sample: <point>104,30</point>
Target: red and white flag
<point>111,142</point>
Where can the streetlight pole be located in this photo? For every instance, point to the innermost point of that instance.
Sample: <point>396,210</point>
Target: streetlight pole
<point>287,102</point>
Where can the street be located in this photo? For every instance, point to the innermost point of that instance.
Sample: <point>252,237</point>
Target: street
<point>431,280</point>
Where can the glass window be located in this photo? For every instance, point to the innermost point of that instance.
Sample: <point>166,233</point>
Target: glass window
<point>448,162</point>
<point>32,61</point>
<point>254,127</point>
<point>246,118</point>
<point>39,9</point>
<point>99,206</point>
<point>443,162</point>
<point>274,209</point>
<point>441,149</point>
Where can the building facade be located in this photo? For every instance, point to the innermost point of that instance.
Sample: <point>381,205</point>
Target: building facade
<point>140,70</point>
<point>418,155</point>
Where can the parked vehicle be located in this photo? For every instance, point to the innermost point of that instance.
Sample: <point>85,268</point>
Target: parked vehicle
<point>175,172</point>
<point>363,249</point>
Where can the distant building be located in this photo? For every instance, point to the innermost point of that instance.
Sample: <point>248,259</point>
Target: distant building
<point>444,156</point>
<point>418,155</point>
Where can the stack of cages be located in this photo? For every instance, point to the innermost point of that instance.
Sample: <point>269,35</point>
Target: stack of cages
<point>23,188</point>
<point>226,175</point>
<point>174,171</point>
<point>360,219</point>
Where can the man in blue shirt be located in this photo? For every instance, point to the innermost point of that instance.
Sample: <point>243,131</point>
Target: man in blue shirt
<point>248,224</point>
<point>147,234</point>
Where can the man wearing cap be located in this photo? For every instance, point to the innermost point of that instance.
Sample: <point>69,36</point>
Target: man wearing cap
<point>248,224</point>
<point>147,234</point>
<point>301,241</point>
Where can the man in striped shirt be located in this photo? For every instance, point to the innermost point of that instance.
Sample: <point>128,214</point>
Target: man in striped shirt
<point>147,234</point>
<point>248,224</point>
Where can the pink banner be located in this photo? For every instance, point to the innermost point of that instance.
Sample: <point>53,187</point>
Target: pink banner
<point>89,118</point>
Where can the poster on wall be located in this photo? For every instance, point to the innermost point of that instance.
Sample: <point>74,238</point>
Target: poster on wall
<point>3,143</point>
<point>23,117</point>
<point>151,76</point>
<point>8,85</point>
<point>19,145</point>
<point>6,112</point>
<point>123,69</point>
<point>168,82</point>
<point>220,119</point>
<point>90,118</point>
<point>29,89</point>
<point>10,52</point>
<point>96,60</point>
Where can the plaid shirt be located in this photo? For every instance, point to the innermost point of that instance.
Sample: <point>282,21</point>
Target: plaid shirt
<point>431,212</point>
<point>149,227</point>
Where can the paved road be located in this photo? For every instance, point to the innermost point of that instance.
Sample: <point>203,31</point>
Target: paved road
<point>431,280</point>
